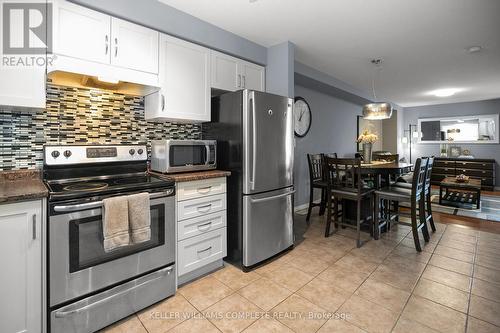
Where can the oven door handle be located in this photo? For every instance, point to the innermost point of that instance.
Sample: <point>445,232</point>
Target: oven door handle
<point>98,204</point>
<point>64,314</point>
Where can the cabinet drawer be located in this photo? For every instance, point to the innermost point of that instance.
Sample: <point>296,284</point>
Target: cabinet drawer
<point>443,170</point>
<point>474,165</point>
<point>201,225</point>
<point>444,164</point>
<point>476,172</point>
<point>196,252</point>
<point>188,209</point>
<point>200,188</point>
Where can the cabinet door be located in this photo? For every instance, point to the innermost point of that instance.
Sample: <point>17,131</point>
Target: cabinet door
<point>253,76</point>
<point>81,33</point>
<point>22,86</point>
<point>184,80</point>
<point>21,262</point>
<point>224,74</point>
<point>134,46</point>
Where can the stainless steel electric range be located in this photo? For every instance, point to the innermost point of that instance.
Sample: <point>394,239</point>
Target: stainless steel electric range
<point>88,287</point>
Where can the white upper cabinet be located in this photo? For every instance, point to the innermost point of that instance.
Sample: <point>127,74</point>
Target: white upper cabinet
<point>185,83</point>
<point>230,73</point>
<point>91,39</point>
<point>22,86</point>
<point>224,72</point>
<point>21,261</point>
<point>134,46</point>
<point>81,33</point>
<point>253,76</point>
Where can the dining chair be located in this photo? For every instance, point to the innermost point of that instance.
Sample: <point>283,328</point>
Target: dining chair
<point>428,195</point>
<point>412,196</point>
<point>317,180</point>
<point>344,183</point>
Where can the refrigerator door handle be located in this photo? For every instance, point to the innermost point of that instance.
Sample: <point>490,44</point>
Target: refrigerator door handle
<point>254,139</point>
<point>273,197</point>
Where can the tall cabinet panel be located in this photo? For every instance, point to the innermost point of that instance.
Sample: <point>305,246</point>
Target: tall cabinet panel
<point>21,262</point>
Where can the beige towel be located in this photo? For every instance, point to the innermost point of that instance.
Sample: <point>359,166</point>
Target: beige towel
<point>115,223</point>
<point>139,217</point>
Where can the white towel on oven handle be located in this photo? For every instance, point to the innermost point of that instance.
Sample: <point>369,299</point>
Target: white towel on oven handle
<point>139,217</point>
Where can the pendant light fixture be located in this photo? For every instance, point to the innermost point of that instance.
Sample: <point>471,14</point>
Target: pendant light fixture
<point>377,110</point>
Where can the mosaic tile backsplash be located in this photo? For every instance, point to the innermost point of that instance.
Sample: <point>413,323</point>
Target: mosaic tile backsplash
<point>80,116</point>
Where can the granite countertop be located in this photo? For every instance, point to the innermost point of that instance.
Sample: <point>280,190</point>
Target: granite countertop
<point>21,185</point>
<point>190,176</point>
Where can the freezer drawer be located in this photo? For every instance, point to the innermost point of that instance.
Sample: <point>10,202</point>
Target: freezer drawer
<point>196,252</point>
<point>200,225</point>
<point>267,225</point>
<point>98,311</point>
<point>199,207</point>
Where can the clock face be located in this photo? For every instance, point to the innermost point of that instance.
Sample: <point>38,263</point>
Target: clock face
<point>302,116</point>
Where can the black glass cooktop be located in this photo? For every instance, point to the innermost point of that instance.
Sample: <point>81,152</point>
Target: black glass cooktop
<point>96,186</point>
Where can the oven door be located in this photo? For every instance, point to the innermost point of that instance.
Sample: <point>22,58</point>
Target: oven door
<point>78,263</point>
<point>190,155</point>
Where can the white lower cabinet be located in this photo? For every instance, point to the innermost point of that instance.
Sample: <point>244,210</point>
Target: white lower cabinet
<point>21,280</point>
<point>201,227</point>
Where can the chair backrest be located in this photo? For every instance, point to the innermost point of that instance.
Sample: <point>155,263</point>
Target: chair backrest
<point>315,162</point>
<point>428,173</point>
<point>386,157</point>
<point>418,183</point>
<point>343,172</point>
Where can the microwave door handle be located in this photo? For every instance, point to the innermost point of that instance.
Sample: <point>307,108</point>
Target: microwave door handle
<point>207,151</point>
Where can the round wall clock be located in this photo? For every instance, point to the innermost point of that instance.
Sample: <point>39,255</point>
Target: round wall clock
<point>302,116</point>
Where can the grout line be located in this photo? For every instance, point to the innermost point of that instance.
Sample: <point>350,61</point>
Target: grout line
<point>418,280</point>
<point>470,285</point>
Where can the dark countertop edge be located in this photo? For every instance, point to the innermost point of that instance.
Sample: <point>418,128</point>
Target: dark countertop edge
<point>192,176</point>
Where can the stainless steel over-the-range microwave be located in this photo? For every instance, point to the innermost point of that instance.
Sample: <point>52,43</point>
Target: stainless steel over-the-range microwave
<point>170,156</point>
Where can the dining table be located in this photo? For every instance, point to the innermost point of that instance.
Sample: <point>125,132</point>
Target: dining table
<point>381,173</point>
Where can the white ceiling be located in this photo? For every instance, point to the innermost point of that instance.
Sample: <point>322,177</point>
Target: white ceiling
<point>423,42</point>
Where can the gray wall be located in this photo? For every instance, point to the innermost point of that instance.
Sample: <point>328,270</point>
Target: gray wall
<point>161,17</point>
<point>412,114</point>
<point>280,69</point>
<point>333,129</point>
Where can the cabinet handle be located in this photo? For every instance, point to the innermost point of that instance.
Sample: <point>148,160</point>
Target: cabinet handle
<point>201,226</point>
<point>204,209</point>
<point>239,80</point>
<point>244,81</point>
<point>204,250</point>
<point>162,102</point>
<point>204,190</point>
<point>34,226</point>
<point>106,41</point>
<point>116,47</point>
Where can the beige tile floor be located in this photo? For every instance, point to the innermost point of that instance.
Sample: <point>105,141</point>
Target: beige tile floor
<point>328,285</point>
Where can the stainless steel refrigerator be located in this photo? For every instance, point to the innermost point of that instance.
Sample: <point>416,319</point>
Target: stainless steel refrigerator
<point>255,141</point>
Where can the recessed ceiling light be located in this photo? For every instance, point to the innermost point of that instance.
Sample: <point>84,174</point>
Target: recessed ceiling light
<point>474,49</point>
<point>445,92</point>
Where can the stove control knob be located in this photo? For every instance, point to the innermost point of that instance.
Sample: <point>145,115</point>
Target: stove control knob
<point>131,151</point>
<point>140,151</point>
<point>55,154</point>
<point>67,153</point>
